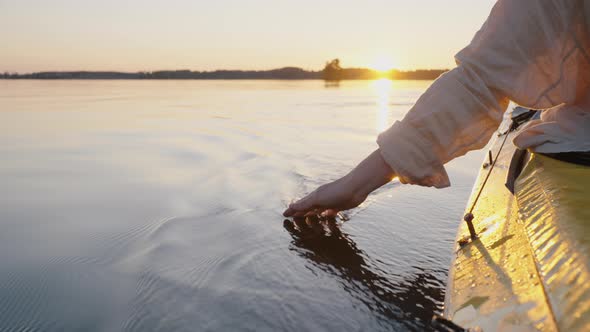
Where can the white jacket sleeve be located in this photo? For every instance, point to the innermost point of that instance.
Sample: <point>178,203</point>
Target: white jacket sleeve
<point>528,51</point>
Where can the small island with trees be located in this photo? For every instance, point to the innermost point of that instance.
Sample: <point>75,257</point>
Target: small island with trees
<point>331,72</point>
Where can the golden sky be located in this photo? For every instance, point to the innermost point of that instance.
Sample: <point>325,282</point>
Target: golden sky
<point>133,35</point>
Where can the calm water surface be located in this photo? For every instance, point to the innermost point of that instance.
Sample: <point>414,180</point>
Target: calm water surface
<point>156,206</point>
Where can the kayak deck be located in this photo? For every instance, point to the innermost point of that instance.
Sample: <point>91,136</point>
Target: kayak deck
<point>494,283</point>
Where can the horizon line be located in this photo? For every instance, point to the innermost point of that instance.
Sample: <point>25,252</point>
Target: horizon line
<point>211,71</point>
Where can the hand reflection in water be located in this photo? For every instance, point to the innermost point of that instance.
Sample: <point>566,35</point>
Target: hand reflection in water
<point>405,303</point>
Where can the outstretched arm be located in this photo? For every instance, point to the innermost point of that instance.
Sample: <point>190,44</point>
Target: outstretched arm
<point>529,51</point>
<point>347,192</point>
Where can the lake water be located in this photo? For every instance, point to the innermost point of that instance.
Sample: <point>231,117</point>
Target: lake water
<point>156,206</point>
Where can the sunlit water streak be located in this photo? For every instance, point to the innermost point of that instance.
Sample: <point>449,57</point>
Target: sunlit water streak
<point>156,205</point>
<point>382,90</point>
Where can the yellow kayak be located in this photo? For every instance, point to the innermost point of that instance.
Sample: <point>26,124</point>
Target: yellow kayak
<point>529,268</point>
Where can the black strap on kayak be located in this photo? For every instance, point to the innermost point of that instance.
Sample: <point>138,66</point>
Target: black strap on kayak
<point>519,116</point>
<point>516,166</point>
<point>520,156</point>
<point>578,158</point>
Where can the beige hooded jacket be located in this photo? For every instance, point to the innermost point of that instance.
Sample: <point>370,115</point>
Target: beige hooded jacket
<point>533,52</point>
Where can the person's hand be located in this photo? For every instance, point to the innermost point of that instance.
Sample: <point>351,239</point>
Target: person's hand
<point>345,193</point>
<point>327,200</point>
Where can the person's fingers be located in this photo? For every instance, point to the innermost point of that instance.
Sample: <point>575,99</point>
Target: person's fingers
<point>305,204</point>
<point>293,212</point>
<point>299,214</point>
<point>313,213</point>
<point>301,207</point>
<point>330,213</point>
<point>288,212</point>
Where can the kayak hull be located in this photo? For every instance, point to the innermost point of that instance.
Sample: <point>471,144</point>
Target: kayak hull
<point>528,269</point>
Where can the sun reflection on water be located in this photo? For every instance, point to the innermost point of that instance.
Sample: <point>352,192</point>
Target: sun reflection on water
<point>382,89</point>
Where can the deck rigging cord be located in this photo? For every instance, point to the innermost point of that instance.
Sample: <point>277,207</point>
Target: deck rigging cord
<point>468,218</point>
<point>517,120</point>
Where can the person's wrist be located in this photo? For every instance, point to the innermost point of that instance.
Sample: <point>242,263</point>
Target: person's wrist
<point>349,185</point>
<point>376,174</point>
<point>356,186</point>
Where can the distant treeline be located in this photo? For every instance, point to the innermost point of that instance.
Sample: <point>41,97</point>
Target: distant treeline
<point>287,73</point>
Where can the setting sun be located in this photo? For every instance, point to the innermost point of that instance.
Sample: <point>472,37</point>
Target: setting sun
<point>382,64</point>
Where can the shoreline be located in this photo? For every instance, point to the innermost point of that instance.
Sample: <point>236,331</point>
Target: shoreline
<point>212,79</point>
<point>287,73</point>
